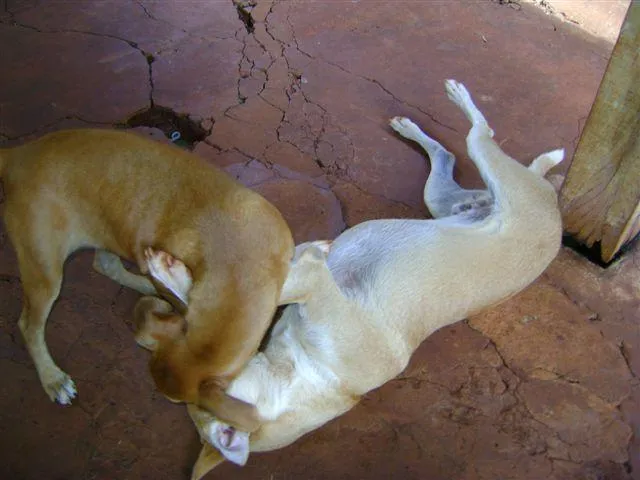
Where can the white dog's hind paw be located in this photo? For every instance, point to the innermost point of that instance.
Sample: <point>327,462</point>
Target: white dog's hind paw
<point>459,95</point>
<point>405,127</point>
<point>61,389</point>
<point>170,272</point>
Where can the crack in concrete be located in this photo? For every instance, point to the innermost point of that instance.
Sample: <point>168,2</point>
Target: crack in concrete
<point>295,86</point>
<point>53,124</point>
<point>151,16</point>
<point>627,358</point>
<point>522,402</point>
<point>363,77</point>
<point>149,58</point>
<point>244,7</point>
<point>145,10</point>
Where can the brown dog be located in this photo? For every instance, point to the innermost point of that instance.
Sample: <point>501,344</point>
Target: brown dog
<point>121,194</point>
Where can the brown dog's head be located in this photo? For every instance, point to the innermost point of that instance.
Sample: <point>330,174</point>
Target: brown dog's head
<point>182,382</point>
<point>175,372</point>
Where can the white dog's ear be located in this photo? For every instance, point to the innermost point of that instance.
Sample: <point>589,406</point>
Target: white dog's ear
<point>305,271</point>
<point>231,443</point>
<point>318,248</point>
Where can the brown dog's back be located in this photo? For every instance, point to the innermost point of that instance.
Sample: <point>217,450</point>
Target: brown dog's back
<point>121,192</point>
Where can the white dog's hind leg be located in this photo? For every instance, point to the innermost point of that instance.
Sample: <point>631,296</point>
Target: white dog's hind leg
<point>442,194</point>
<point>504,177</point>
<point>459,95</point>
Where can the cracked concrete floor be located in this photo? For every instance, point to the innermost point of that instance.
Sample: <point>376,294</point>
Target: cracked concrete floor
<point>295,101</point>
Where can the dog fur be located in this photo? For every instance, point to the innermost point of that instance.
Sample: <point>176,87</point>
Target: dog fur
<point>124,195</point>
<point>362,309</point>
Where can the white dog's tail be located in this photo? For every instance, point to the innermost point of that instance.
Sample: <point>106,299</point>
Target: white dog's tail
<point>545,162</point>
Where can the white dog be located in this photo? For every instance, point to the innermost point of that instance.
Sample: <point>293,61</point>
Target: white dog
<point>363,304</point>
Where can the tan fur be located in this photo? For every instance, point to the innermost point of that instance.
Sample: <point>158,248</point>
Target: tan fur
<point>121,193</point>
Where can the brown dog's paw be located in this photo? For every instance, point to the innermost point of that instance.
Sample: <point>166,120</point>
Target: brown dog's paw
<point>170,272</point>
<point>59,387</point>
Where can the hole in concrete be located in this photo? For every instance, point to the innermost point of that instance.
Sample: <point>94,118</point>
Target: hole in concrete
<point>593,253</point>
<point>168,121</point>
<point>244,14</point>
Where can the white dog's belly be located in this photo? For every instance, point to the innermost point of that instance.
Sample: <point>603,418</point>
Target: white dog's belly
<point>357,254</point>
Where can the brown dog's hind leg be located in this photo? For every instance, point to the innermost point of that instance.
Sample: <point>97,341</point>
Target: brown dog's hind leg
<point>41,261</point>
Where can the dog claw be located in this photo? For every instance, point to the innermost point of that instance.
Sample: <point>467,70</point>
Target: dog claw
<point>63,390</point>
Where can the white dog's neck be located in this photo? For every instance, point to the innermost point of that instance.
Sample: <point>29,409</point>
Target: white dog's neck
<point>274,378</point>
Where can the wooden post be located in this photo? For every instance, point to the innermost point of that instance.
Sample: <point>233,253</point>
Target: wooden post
<point>600,198</point>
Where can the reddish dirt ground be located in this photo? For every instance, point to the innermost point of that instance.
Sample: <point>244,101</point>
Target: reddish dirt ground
<point>294,102</point>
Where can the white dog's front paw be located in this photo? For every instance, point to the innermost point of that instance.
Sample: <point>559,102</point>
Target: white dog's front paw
<point>405,127</point>
<point>60,388</point>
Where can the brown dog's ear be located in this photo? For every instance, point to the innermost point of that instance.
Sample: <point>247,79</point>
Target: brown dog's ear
<point>154,322</point>
<point>208,459</point>
<point>237,413</point>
